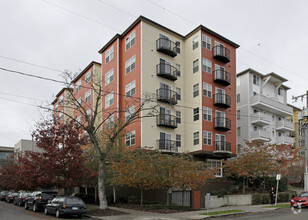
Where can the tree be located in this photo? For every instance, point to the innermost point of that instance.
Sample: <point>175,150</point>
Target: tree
<point>260,160</point>
<point>61,162</point>
<point>106,127</point>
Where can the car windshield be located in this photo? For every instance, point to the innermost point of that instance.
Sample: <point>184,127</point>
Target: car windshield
<point>25,194</point>
<point>74,201</point>
<point>303,194</point>
<point>14,194</point>
<point>50,195</point>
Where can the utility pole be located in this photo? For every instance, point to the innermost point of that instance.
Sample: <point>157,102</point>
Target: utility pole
<point>305,127</point>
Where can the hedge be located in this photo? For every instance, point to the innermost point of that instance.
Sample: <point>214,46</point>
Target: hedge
<point>259,198</point>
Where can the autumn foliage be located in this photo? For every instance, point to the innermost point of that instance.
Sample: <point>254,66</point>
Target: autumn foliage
<point>60,165</point>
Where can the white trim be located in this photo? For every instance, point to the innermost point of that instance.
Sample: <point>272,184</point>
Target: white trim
<point>118,79</point>
<point>141,75</point>
<point>201,86</point>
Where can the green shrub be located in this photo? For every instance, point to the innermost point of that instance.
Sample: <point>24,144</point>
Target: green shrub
<point>222,193</point>
<point>214,193</point>
<point>256,199</point>
<point>234,189</point>
<point>265,199</point>
<point>261,189</point>
<point>133,200</point>
<point>283,197</point>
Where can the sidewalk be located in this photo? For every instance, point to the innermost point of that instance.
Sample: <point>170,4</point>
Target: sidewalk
<point>139,215</point>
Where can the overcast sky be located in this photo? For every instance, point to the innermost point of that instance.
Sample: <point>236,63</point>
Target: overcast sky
<point>67,34</point>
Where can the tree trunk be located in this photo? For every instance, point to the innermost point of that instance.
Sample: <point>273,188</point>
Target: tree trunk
<point>167,197</point>
<point>141,197</point>
<point>101,185</point>
<point>114,194</point>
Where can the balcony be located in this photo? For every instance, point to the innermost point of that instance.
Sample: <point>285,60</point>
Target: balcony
<point>284,125</point>
<point>260,135</point>
<point>270,105</point>
<point>222,100</point>
<point>260,119</point>
<point>166,120</point>
<point>222,77</point>
<point>167,96</point>
<point>222,123</point>
<point>284,140</point>
<point>166,46</point>
<point>167,145</point>
<point>221,53</point>
<point>166,71</point>
<point>222,147</point>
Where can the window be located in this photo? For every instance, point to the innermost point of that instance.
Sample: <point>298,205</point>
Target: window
<point>130,40</point>
<point>195,42</point>
<point>196,114</point>
<point>130,89</point>
<point>60,115</point>
<point>178,93</point>
<point>256,80</point>
<point>215,164</point>
<point>196,138</point>
<point>238,114</point>
<point>56,107</point>
<point>178,117</point>
<point>196,90</point>
<point>196,66</point>
<point>207,90</point>
<point>207,113</point>
<point>130,64</point>
<point>206,42</point>
<point>254,93</point>
<point>109,122</point>
<point>109,54</point>
<point>238,131</point>
<point>109,100</point>
<point>109,77</point>
<point>255,128</point>
<point>78,103</point>
<point>78,119</point>
<point>87,96</point>
<point>78,85</point>
<point>207,138</point>
<point>178,140</point>
<point>130,139</point>
<point>61,100</point>
<point>89,113</point>
<point>178,47</point>
<point>129,112</point>
<point>88,77</point>
<point>178,68</point>
<point>238,97</point>
<point>280,90</point>
<point>206,65</point>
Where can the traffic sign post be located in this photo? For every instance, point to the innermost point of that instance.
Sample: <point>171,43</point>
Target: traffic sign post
<point>278,177</point>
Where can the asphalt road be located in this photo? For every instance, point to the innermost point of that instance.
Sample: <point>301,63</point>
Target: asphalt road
<point>8,211</point>
<point>281,214</point>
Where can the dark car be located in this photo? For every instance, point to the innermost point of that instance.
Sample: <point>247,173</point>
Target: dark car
<point>10,197</point>
<point>300,201</point>
<point>65,205</point>
<point>3,195</point>
<point>38,199</point>
<point>21,198</point>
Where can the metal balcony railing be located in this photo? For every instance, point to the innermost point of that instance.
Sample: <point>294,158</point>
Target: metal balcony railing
<point>221,76</point>
<point>222,100</point>
<point>222,123</point>
<point>167,96</point>
<point>221,53</point>
<point>166,46</point>
<point>222,146</point>
<point>167,145</point>
<point>166,120</point>
<point>166,71</point>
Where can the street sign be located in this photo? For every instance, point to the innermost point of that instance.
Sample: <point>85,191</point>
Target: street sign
<point>278,177</point>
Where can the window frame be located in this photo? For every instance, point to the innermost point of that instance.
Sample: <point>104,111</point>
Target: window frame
<point>207,113</point>
<point>195,90</point>
<point>196,112</point>
<point>130,64</point>
<point>195,42</point>
<point>206,65</point>
<point>128,40</point>
<point>109,99</point>
<point>109,77</point>
<point>87,96</point>
<point>109,54</point>
<point>131,138</point>
<point>88,77</point>
<point>207,138</point>
<point>207,45</point>
<point>196,138</point>
<point>207,90</point>
<point>195,65</point>
<point>130,89</point>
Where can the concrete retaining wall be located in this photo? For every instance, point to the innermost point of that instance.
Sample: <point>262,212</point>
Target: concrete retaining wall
<point>229,200</point>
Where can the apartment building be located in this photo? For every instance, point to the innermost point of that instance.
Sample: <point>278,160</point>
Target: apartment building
<point>5,154</point>
<point>26,145</point>
<point>262,110</point>
<point>298,132</point>
<point>63,106</point>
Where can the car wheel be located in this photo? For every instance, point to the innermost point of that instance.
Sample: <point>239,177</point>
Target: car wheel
<point>45,211</point>
<point>57,214</point>
<point>34,208</point>
<point>26,205</point>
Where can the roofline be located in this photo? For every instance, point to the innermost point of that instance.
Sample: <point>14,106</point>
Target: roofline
<point>59,93</point>
<point>85,70</point>
<point>277,76</point>
<point>250,70</point>
<point>142,18</point>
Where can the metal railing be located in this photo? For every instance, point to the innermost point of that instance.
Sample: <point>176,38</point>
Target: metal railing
<point>167,145</point>
<point>222,123</point>
<point>222,99</point>
<point>166,95</point>
<point>222,146</point>
<point>222,53</point>
<point>222,76</point>
<point>166,120</point>
<point>167,71</point>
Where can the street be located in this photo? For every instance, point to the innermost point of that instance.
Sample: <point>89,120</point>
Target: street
<point>8,211</point>
<point>276,214</point>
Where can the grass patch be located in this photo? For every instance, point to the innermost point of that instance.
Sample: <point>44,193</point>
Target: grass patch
<point>223,212</point>
<point>90,207</point>
<point>278,206</point>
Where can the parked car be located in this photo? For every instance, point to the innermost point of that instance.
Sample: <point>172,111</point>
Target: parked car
<point>65,205</point>
<point>10,197</point>
<point>21,198</point>
<point>38,199</point>
<point>300,201</point>
<point>3,195</point>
